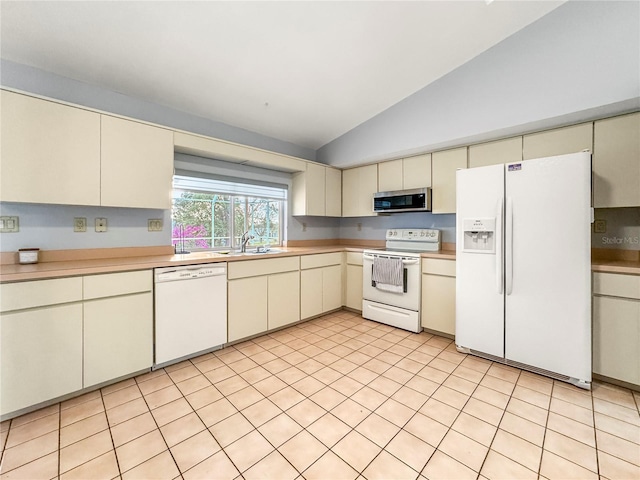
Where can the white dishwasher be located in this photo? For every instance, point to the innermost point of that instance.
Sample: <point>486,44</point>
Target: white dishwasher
<point>190,311</point>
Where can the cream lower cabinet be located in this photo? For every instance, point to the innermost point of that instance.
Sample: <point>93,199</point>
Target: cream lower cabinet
<point>320,284</point>
<point>616,326</point>
<point>353,296</point>
<point>262,294</point>
<point>439,295</point>
<point>41,342</point>
<point>118,325</point>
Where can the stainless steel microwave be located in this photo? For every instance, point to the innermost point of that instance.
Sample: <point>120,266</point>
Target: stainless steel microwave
<point>416,200</point>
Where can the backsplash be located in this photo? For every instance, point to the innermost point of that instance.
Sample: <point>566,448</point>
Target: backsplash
<point>622,229</point>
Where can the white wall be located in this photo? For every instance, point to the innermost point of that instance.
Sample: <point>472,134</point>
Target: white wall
<point>579,62</point>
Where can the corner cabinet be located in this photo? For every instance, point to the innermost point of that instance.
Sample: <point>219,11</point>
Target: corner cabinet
<point>57,154</point>
<point>50,152</point>
<point>444,165</point>
<point>358,186</point>
<point>616,326</point>
<point>260,294</point>
<point>137,164</point>
<point>616,162</point>
<point>317,191</point>
<point>439,295</point>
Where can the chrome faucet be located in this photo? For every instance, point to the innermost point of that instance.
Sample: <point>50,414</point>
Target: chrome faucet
<point>244,240</point>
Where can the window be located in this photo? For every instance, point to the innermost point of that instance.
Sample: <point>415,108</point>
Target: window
<point>213,214</point>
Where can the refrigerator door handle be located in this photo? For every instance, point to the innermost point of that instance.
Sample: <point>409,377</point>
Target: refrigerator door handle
<point>509,247</point>
<point>499,262</point>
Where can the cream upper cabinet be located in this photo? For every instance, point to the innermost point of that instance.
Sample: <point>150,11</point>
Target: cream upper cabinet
<point>358,186</point>
<point>317,191</point>
<point>50,152</point>
<point>405,174</point>
<point>444,166</point>
<point>616,161</point>
<point>390,176</point>
<point>333,192</point>
<point>495,153</point>
<point>137,164</point>
<point>559,141</point>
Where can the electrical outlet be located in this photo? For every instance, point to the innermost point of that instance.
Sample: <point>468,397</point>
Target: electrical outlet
<point>359,227</point>
<point>155,224</point>
<point>101,225</point>
<point>79,224</point>
<point>9,224</point>
<point>600,226</point>
<point>304,227</point>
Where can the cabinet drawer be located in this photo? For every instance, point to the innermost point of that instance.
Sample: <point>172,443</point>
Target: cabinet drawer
<point>616,285</point>
<point>320,260</point>
<point>18,296</point>
<point>254,268</point>
<point>354,258</point>
<point>437,266</point>
<point>113,284</point>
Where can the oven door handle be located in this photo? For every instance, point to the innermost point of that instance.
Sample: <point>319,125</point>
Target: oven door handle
<point>404,262</point>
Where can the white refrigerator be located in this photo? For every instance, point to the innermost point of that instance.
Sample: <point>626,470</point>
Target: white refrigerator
<point>523,265</point>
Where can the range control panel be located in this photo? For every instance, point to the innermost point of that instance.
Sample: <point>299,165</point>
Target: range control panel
<point>413,234</point>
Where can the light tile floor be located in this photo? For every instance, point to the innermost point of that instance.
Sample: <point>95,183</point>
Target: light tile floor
<point>336,397</point>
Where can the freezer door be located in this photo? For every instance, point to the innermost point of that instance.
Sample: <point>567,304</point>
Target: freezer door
<point>548,264</point>
<point>479,259</point>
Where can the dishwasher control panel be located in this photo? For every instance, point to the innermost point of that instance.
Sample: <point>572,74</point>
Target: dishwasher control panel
<point>170,274</point>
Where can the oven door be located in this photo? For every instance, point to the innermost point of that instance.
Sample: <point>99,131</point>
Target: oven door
<point>409,299</point>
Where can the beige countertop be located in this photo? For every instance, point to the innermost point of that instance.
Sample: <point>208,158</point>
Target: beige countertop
<point>67,268</point>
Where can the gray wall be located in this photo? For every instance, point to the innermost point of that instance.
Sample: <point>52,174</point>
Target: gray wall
<point>578,62</point>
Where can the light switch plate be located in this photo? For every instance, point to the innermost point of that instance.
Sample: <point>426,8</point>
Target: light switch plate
<point>155,225</point>
<point>101,225</point>
<point>9,224</point>
<point>79,224</point>
<point>600,226</point>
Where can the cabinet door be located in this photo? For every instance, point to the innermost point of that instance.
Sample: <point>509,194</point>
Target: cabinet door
<point>558,141</point>
<point>439,303</point>
<point>331,288</point>
<point>350,189</point>
<point>118,337</point>
<point>50,152</point>
<point>354,287</point>
<point>390,176</point>
<point>315,189</point>
<point>444,166</point>
<point>333,192</point>
<point>495,153</point>
<point>416,172</point>
<point>368,185</point>
<point>310,292</point>
<point>616,162</point>
<point>137,164</point>
<point>247,314</point>
<point>283,299</point>
<point>616,338</point>
<point>41,355</point>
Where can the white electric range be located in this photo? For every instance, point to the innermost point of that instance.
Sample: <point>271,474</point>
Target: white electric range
<point>399,308</point>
